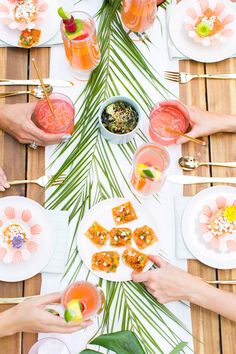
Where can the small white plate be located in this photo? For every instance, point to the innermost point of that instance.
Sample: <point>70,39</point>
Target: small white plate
<point>192,235</point>
<point>102,213</point>
<point>191,49</point>
<point>49,27</point>
<point>47,241</point>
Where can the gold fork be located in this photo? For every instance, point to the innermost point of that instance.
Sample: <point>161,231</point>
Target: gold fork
<point>183,78</point>
<point>41,181</point>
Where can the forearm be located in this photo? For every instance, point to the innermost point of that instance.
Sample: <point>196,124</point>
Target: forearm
<point>226,123</point>
<point>8,323</point>
<point>216,300</point>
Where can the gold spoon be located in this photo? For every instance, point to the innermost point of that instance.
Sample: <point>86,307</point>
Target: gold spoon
<point>189,163</point>
<point>36,92</point>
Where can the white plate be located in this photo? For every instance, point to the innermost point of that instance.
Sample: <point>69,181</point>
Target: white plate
<point>102,213</point>
<point>191,49</point>
<point>38,260</point>
<point>49,27</point>
<point>192,235</point>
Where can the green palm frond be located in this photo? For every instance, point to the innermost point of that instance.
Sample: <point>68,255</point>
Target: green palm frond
<point>94,173</point>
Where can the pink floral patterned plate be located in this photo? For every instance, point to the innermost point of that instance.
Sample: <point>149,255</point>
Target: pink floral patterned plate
<point>27,240</point>
<point>209,226</point>
<point>210,22</point>
<point>23,14</point>
<point>45,19</point>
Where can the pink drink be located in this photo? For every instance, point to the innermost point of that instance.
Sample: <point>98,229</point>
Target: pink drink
<point>166,115</point>
<point>91,298</point>
<point>149,169</point>
<point>62,121</point>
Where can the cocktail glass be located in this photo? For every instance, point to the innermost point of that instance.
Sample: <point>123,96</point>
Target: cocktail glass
<point>61,121</point>
<point>83,55</point>
<point>166,119</point>
<point>90,296</point>
<point>49,346</point>
<point>138,15</point>
<point>150,164</point>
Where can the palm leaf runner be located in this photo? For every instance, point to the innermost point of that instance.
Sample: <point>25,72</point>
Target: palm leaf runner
<point>94,174</point>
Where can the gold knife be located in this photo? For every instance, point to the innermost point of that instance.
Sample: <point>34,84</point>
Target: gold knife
<point>52,82</point>
<point>184,179</point>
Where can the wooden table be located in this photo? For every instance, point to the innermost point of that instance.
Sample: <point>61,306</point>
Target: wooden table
<point>216,335</point>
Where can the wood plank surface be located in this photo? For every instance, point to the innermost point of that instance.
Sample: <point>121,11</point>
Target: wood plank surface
<point>205,323</point>
<point>12,151</point>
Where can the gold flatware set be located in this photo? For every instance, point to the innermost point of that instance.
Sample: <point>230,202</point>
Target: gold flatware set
<point>184,78</point>
<point>42,181</point>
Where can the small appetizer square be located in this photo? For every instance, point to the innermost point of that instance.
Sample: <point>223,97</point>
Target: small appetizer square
<point>124,213</point>
<point>106,261</point>
<point>120,237</point>
<point>29,38</point>
<point>144,237</point>
<point>134,259</point>
<point>97,234</point>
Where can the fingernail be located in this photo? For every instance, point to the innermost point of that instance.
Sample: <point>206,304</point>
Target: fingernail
<point>6,185</point>
<point>66,137</point>
<point>2,189</point>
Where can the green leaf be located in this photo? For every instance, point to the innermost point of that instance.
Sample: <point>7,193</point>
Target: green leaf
<point>124,342</point>
<point>179,348</point>
<point>149,173</point>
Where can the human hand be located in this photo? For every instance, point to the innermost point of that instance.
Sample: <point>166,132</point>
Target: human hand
<point>168,283</point>
<point>3,181</point>
<point>15,119</point>
<point>31,316</point>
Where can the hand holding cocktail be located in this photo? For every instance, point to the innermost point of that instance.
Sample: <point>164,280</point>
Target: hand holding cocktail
<point>16,120</point>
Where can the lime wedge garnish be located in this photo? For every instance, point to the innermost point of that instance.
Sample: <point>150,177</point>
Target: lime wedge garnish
<point>73,311</point>
<point>203,30</point>
<point>63,14</point>
<point>149,173</point>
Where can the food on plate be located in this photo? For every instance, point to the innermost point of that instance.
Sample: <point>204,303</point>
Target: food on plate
<point>124,213</point>
<point>120,237</point>
<point>134,259</point>
<point>209,24</point>
<point>15,236</point>
<point>120,118</point>
<point>106,261</point>
<point>29,38</point>
<point>25,10</point>
<point>97,234</point>
<point>218,224</point>
<point>144,237</point>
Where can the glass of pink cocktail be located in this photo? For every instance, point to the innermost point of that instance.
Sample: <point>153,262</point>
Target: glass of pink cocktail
<point>61,121</point>
<point>167,119</point>
<point>90,297</point>
<point>150,164</point>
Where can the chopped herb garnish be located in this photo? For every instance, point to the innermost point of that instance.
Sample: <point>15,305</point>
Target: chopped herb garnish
<point>149,173</point>
<point>120,118</point>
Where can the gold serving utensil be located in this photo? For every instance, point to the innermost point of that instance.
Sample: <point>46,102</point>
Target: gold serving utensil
<point>197,141</point>
<point>18,300</point>
<point>189,163</point>
<point>183,78</point>
<point>36,92</point>
<point>52,82</point>
<point>43,86</point>
<point>222,282</point>
<point>41,181</point>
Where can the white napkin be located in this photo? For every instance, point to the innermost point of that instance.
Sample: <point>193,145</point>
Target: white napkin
<point>60,221</point>
<point>57,39</point>
<point>174,53</point>
<point>181,249</point>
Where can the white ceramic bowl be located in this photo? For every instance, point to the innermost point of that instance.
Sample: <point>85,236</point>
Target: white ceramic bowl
<point>119,138</point>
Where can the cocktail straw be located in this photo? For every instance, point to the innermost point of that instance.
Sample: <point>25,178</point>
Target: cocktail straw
<point>197,141</point>
<point>43,86</point>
